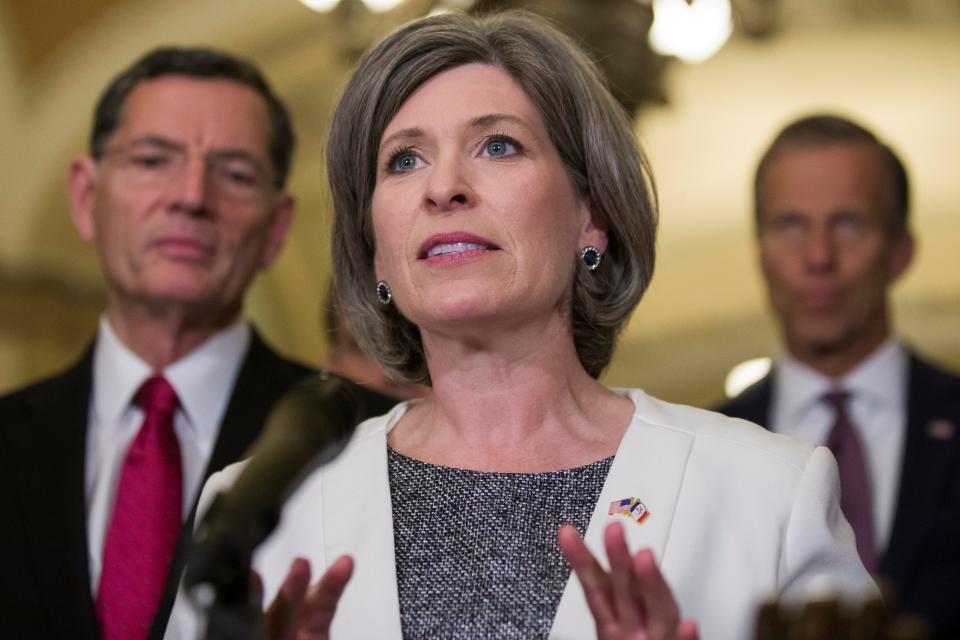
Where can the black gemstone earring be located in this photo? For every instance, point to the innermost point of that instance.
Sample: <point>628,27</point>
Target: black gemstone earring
<point>591,257</point>
<point>383,292</point>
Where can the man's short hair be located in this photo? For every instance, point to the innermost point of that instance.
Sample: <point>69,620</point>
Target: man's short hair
<point>826,129</point>
<point>196,62</point>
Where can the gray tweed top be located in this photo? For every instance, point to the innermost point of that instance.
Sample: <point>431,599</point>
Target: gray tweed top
<point>477,553</point>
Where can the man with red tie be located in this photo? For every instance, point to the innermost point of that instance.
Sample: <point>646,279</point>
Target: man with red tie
<point>183,197</point>
<point>831,203</point>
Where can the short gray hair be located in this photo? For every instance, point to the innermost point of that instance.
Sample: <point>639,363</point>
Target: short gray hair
<point>591,132</point>
<point>825,129</point>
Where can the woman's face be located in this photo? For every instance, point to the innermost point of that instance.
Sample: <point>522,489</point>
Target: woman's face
<point>475,218</point>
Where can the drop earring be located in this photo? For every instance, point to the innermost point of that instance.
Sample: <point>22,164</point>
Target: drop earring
<point>383,292</point>
<point>591,257</point>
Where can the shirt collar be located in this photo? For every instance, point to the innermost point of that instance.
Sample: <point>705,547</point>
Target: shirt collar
<point>117,373</point>
<point>797,387</point>
<point>202,379</point>
<point>876,379</point>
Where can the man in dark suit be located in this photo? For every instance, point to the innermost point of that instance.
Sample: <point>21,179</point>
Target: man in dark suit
<point>831,204</point>
<point>183,197</point>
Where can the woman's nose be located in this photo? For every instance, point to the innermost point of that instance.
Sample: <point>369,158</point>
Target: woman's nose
<point>448,186</point>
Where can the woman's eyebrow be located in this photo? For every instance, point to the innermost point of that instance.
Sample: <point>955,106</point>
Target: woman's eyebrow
<point>403,134</point>
<point>478,122</point>
<point>489,119</point>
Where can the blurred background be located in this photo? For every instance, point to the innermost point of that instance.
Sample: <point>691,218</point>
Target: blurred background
<point>709,82</point>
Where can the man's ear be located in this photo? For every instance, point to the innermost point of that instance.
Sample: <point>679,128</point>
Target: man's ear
<point>279,228</point>
<point>900,255</point>
<point>82,192</point>
<point>593,233</point>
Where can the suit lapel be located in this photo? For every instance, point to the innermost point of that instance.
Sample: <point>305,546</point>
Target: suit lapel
<point>262,379</point>
<point>927,463</point>
<point>649,465</point>
<point>760,412</point>
<point>54,502</point>
<point>254,392</point>
<point>754,404</point>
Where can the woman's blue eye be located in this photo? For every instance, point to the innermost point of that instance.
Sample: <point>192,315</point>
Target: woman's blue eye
<point>404,162</point>
<point>498,147</point>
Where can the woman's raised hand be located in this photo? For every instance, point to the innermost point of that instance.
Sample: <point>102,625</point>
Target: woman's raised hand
<point>630,602</point>
<point>304,612</point>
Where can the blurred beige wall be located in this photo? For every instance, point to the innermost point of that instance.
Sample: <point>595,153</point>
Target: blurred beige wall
<point>707,308</point>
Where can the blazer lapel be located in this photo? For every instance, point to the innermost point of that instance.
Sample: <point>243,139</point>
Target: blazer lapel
<point>928,459</point>
<point>54,503</point>
<point>359,522</point>
<point>649,465</point>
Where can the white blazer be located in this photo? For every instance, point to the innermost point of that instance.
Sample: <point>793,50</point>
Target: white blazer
<point>736,514</point>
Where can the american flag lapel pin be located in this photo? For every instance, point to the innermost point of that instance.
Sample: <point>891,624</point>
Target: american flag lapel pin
<point>629,507</point>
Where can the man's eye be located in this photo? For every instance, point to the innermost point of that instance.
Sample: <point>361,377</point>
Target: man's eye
<point>241,178</point>
<point>850,225</point>
<point>150,161</point>
<point>787,224</point>
<point>237,175</point>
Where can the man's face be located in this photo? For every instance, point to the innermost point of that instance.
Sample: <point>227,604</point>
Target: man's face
<point>826,248</point>
<point>182,206</point>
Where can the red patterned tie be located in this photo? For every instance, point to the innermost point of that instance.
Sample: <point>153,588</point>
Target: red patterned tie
<point>146,520</point>
<point>856,499</point>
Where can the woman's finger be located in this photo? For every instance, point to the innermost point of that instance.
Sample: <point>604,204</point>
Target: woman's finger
<point>688,630</point>
<point>627,599</point>
<point>322,599</point>
<point>280,618</point>
<point>592,577</point>
<point>663,615</point>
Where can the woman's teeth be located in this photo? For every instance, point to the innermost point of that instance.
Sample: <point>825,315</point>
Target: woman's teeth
<point>454,247</point>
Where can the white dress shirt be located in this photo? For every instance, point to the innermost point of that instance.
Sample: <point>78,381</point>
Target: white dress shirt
<point>877,406</point>
<point>203,381</point>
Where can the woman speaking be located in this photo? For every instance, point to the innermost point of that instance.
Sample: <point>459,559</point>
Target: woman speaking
<point>494,229</point>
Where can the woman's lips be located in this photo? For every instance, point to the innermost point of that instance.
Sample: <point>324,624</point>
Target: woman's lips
<point>454,247</point>
<point>449,259</point>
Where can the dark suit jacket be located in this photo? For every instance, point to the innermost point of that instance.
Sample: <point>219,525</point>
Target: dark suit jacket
<point>45,584</point>
<point>923,556</point>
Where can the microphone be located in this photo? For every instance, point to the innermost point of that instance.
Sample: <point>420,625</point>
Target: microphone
<point>308,427</point>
